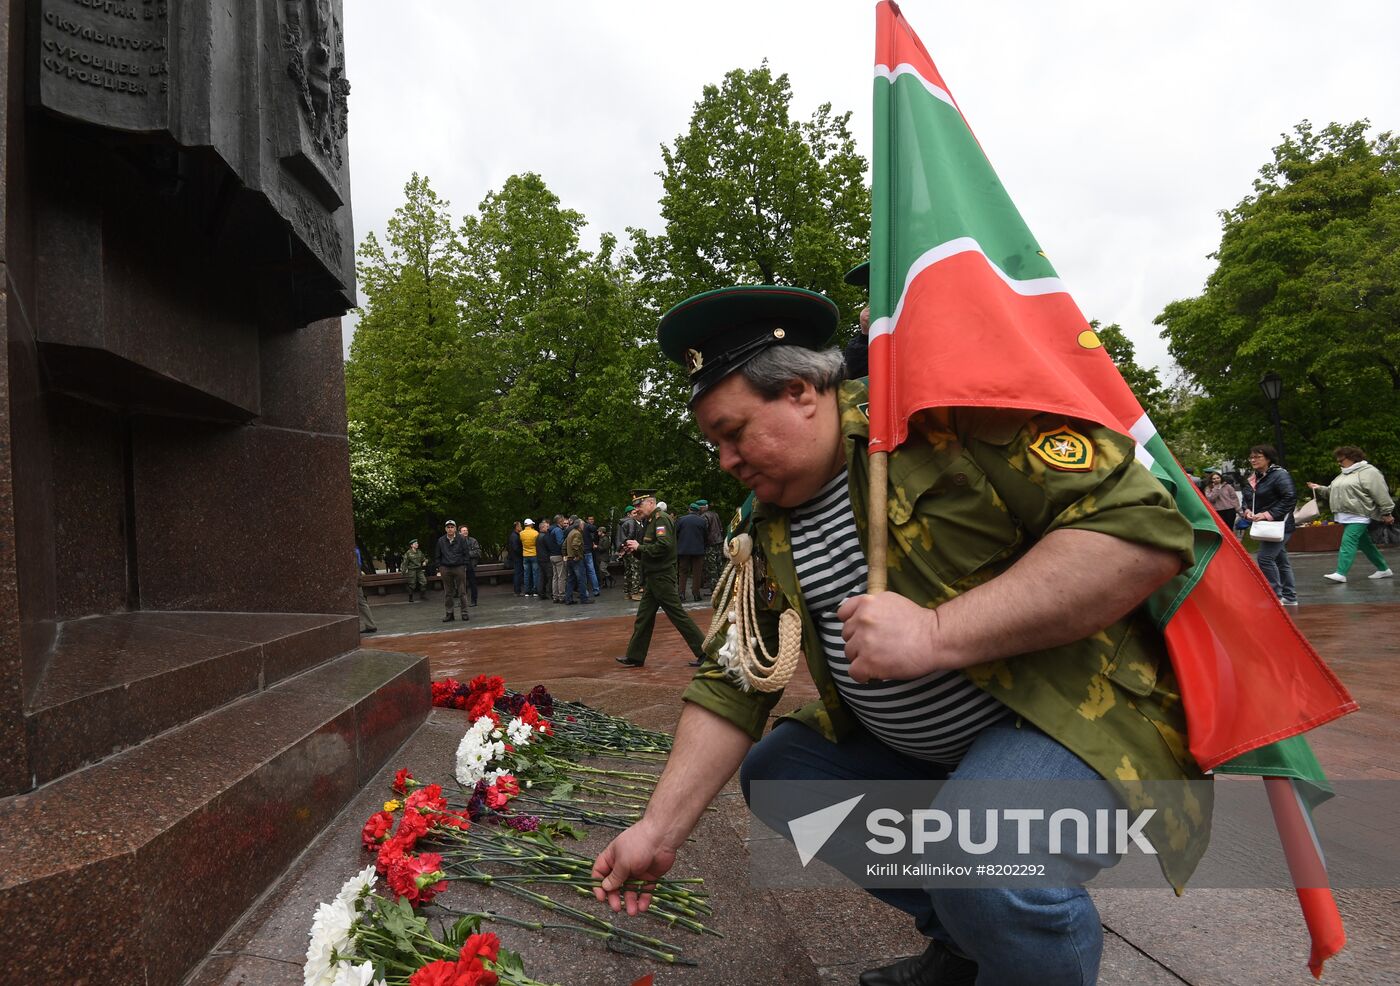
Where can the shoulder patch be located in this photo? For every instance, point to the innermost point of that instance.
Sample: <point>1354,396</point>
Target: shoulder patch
<point>661,532</point>
<point>1065,449</point>
<point>864,409</point>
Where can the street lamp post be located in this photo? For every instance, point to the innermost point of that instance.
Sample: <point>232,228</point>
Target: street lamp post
<point>1272,386</point>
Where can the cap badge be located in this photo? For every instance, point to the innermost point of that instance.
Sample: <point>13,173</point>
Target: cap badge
<point>694,361</point>
<point>779,334</point>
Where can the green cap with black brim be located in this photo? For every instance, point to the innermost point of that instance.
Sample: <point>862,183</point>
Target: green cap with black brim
<point>859,275</point>
<point>715,333</point>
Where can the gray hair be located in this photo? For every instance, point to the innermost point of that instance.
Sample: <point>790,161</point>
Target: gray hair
<point>771,371</point>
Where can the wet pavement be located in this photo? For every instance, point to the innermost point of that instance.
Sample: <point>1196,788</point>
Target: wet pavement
<point>1207,936</point>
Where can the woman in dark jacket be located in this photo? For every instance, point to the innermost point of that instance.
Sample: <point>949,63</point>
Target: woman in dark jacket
<point>1272,498</point>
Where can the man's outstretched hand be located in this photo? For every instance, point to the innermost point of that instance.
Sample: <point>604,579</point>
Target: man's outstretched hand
<point>630,866</point>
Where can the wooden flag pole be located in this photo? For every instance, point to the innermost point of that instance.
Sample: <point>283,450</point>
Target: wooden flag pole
<point>879,521</point>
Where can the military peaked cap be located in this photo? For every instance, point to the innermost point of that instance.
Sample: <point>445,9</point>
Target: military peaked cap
<point>859,275</point>
<point>715,333</point>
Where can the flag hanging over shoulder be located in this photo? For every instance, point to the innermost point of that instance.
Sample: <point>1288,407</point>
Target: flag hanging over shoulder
<point>967,310</point>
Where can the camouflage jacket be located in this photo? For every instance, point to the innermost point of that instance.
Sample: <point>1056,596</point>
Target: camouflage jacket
<point>969,494</point>
<point>413,559</point>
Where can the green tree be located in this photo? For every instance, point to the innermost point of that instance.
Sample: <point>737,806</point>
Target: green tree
<point>1306,283</point>
<point>1146,384</point>
<point>751,196</point>
<point>403,378</point>
<point>557,421</point>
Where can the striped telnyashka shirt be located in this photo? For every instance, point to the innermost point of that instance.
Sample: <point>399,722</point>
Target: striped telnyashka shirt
<point>935,717</point>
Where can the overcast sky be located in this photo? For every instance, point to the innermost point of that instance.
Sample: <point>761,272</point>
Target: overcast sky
<point>1120,129</point>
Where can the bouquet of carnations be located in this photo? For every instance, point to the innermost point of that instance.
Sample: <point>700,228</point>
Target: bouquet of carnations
<point>363,939</point>
<point>510,758</point>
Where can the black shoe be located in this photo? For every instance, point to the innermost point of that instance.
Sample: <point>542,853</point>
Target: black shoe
<point>473,602</point>
<point>630,664</point>
<point>567,602</point>
<point>466,616</point>
<point>369,629</point>
<point>937,966</point>
<point>693,664</point>
<point>448,618</point>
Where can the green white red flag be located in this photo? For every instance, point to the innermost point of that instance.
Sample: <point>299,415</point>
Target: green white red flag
<point>967,310</point>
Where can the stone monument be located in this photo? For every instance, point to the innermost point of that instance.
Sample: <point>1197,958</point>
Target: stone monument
<point>183,700</point>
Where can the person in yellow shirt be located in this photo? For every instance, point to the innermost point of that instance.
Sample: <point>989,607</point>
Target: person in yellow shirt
<point>528,537</point>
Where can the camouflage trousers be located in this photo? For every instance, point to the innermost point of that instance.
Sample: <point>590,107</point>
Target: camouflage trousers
<point>632,574</point>
<point>417,580</point>
<point>714,564</point>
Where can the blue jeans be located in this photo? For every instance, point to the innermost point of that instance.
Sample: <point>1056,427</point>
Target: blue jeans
<point>532,576</point>
<point>1273,562</point>
<point>1016,935</point>
<point>578,581</point>
<point>592,572</point>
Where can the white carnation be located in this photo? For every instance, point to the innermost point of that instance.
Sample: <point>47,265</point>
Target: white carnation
<point>356,888</point>
<point>519,731</point>
<point>331,928</point>
<point>355,975</point>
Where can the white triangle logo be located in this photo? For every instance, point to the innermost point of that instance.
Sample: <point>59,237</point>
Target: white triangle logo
<point>810,832</point>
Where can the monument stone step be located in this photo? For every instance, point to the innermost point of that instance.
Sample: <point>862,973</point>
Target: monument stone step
<point>114,681</point>
<point>139,864</point>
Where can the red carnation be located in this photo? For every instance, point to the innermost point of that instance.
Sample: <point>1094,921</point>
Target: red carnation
<point>505,788</point>
<point>376,830</point>
<point>439,973</point>
<point>481,706</point>
<point>411,827</point>
<point>451,819</point>
<point>484,945</point>
<point>427,797</point>
<point>389,853</point>
<point>419,878</point>
<point>529,714</point>
<point>403,780</point>
<point>493,684</point>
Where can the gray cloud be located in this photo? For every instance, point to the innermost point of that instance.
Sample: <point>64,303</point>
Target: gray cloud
<point>1120,129</point>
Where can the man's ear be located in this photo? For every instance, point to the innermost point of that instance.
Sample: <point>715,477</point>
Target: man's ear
<point>804,395</point>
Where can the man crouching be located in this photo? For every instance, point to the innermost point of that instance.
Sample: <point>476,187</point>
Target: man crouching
<point>1011,646</point>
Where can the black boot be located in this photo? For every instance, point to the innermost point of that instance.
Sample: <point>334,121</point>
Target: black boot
<point>448,618</point>
<point>937,966</point>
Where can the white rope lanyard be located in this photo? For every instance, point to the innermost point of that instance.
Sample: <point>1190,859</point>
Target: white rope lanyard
<point>744,656</point>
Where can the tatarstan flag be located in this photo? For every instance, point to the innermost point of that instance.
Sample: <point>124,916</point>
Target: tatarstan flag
<point>967,310</point>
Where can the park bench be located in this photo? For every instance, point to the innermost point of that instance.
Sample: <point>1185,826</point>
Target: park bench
<point>386,582</point>
<point>382,583</point>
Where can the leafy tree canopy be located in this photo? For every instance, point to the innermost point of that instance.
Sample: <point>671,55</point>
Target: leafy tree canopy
<point>500,369</point>
<point>1306,286</point>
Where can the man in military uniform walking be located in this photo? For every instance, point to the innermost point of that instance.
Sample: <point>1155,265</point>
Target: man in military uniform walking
<point>630,529</point>
<point>413,562</point>
<point>656,550</point>
<point>1013,645</point>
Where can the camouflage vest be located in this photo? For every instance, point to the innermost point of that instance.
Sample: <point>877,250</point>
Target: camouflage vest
<point>968,498</point>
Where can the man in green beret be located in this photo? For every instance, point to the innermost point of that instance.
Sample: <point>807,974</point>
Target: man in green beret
<point>1012,646</point>
<point>656,550</point>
